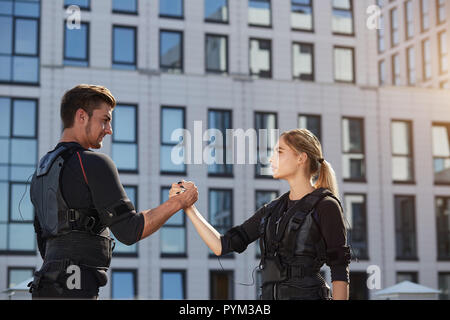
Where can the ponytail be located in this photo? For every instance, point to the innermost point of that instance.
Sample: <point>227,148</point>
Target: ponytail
<point>327,178</point>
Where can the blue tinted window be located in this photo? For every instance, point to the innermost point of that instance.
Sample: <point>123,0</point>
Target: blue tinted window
<point>24,124</point>
<point>121,248</point>
<point>124,47</point>
<point>216,10</point>
<point>220,210</point>
<point>76,45</point>
<point>220,120</point>
<point>173,233</point>
<point>259,12</point>
<point>19,52</point>
<point>26,8</point>
<point>123,285</point>
<point>171,8</point>
<point>7,35</point>
<point>172,286</point>
<point>171,153</point>
<point>171,51</point>
<point>83,4</point>
<point>216,53</point>
<point>126,6</point>
<point>124,147</point>
<point>18,157</point>
<point>26,36</point>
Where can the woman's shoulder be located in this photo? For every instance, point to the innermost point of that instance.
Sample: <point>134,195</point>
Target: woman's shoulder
<point>329,203</point>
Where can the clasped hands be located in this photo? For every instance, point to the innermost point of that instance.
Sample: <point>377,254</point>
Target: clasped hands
<point>184,191</point>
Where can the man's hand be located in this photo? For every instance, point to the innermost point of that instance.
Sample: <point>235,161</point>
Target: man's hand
<point>184,191</point>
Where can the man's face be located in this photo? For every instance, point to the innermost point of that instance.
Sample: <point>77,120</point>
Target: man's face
<point>98,126</point>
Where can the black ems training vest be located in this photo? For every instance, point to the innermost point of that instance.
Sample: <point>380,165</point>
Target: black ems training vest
<point>73,236</point>
<point>293,250</point>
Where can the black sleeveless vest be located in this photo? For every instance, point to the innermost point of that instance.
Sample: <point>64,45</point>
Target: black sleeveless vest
<point>293,250</point>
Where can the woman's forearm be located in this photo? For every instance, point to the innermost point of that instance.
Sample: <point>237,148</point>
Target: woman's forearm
<point>340,290</point>
<point>207,232</point>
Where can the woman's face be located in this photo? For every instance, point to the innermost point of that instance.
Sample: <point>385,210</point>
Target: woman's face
<point>285,162</point>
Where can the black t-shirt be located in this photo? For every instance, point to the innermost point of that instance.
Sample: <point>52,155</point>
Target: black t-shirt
<point>329,218</point>
<point>90,179</point>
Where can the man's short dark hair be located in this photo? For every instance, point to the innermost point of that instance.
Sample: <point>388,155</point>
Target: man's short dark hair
<point>87,97</point>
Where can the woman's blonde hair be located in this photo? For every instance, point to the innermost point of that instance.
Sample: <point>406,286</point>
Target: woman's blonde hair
<point>303,140</point>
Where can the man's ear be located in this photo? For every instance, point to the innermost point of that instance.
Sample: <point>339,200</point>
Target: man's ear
<point>81,115</point>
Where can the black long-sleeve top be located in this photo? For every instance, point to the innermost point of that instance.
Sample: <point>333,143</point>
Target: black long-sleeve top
<point>329,218</point>
<point>92,180</point>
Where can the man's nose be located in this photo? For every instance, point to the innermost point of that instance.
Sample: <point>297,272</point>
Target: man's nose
<point>109,129</point>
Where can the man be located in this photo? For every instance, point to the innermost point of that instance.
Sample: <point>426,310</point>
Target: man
<point>78,198</point>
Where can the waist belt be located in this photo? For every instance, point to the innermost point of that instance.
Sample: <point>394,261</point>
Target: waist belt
<point>274,271</point>
<point>85,248</point>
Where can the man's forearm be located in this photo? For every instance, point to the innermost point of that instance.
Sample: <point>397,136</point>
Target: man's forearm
<point>155,218</point>
<point>340,290</point>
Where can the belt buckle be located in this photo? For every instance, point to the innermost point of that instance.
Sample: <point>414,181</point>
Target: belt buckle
<point>72,215</point>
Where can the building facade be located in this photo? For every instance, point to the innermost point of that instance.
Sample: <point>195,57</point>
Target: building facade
<point>227,64</point>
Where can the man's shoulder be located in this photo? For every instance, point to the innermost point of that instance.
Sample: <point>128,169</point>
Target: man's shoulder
<point>90,159</point>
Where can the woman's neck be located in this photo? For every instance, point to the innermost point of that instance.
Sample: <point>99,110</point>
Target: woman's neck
<point>299,187</point>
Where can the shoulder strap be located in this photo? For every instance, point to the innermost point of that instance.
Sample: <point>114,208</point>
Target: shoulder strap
<point>300,210</point>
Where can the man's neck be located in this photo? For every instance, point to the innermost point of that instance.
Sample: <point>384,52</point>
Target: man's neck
<point>69,136</point>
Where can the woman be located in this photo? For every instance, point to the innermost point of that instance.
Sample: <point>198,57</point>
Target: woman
<point>299,231</point>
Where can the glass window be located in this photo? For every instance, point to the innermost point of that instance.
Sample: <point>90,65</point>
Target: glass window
<point>262,197</point>
<point>312,123</point>
<point>260,58</point>
<point>410,276</point>
<point>303,61</point>
<point>426,56</point>
<point>344,64</point>
<point>171,51</point>
<point>123,284</point>
<point>173,232</point>
<point>124,47</point>
<point>124,139</point>
<point>172,150</point>
<point>405,228</point>
<point>444,285</point>
<point>259,13</point>
<point>353,149</point>
<point>18,143</point>
<point>424,13</point>
<point>409,17</point>
<point>441,11</point>
<point>411,63</point>
<point>83,4</point>
<point>76,46</point>
<point>396,70</point>
<point>173,285</point>
<point>382,73</point>
<point>441,152</point>
<point>380,35</point>
<point>221,285</point>
<point>355,213</point>
<point>216,10</point>
<point>342,22</point>
<point>19,52</point>
<point>220,120</point>
<point>171,8</point>
<point>120,248</point>
<point>394,27</point>
<point>402,156</point>
<point>265,121</point>
<point>443,227</point>
<point>302,14</point>
<point>443,62</point>
<point>216,53</point>
<point>18,275</point>
<point>359,290</point>
<point>124,6</point>
<point>221,209</point>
